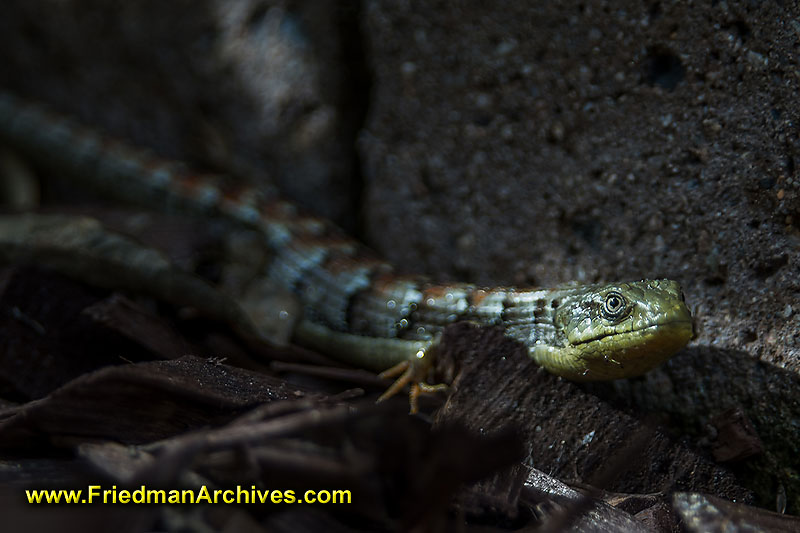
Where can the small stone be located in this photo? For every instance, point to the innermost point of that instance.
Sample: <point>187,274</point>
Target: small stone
<point>711,126</point>
<point>466,242</point>
<point>408,68</point>
<point>795,26</point>
<point>787,311</point>
<point>506,47</point>
<point>557,132</point>
<point>756,59</point>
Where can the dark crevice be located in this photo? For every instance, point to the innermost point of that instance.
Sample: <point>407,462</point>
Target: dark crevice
<point>356,97</point>
<point>589,230</point>
<point>663,68</point>
<point>790,165</point>
<point>767,266</point>
<point>655,11</point>
<point>742,29</point>
<point>257,15</point>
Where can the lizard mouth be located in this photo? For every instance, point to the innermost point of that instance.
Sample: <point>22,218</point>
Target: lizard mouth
<point>632,353</point>
<point>618,355</point>
<point>667,328</point>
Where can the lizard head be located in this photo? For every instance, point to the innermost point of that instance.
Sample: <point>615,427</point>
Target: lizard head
<point>614,331</point>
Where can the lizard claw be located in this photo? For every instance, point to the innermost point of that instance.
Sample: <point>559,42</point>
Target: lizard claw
<point>411,372</point>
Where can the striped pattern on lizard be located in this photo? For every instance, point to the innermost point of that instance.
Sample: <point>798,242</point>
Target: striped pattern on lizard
<point>356,308</point>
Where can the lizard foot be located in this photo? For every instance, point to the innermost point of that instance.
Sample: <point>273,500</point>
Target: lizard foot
<point>411,372</point>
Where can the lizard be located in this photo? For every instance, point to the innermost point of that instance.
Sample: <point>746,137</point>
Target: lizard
<point>356,308</point>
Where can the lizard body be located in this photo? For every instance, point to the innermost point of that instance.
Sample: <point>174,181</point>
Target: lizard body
<point>355,307</point>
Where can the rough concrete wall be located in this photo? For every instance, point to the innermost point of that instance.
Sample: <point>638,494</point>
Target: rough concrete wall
<point>520,142</point>
<point>257,86</point>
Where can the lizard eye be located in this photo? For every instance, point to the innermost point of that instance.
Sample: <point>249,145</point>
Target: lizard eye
<point>614,305</point>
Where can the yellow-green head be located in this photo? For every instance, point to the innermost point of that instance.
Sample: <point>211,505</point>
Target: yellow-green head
<point>603,332</point>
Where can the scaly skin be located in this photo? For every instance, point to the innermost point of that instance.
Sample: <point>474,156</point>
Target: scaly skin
<point>614,331</point>
<point>583,332</point>
<point>356,308</point>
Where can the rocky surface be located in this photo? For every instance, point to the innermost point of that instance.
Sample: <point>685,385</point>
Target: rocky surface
<point>511,143</point>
